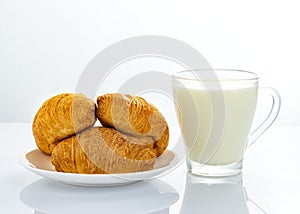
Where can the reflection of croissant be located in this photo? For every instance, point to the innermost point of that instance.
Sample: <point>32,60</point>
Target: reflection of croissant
<point>134,116</point>
<point>60,117</point>
<point>104,150</point>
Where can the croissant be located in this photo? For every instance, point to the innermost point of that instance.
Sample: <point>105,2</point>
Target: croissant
<point>104,150</point>
<point>135,116</point>
<point>60,117</point>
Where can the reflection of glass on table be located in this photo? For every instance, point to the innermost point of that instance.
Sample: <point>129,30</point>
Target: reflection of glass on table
<point>217,195</point>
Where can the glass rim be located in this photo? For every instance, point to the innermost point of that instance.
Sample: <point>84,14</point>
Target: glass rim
<point>248,75</point>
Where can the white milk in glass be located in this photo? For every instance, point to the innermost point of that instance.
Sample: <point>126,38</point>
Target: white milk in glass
<point>196,115</point>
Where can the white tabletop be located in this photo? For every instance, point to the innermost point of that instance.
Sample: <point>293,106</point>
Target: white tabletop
<point>269,183</point>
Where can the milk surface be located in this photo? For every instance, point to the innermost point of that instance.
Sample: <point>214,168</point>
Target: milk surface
<point>196,113</point>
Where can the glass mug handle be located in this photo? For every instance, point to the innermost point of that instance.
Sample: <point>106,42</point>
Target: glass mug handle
<point>276,102</point>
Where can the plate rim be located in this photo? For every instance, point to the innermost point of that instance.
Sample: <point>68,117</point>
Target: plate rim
<point>119,178</point>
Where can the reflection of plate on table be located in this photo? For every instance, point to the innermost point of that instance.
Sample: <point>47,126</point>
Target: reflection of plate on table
<point>40,164</point>
<point>45,196</point>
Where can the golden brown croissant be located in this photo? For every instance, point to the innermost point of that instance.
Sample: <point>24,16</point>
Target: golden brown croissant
<point>60,117</point>
<point>135,116</point>
<point>104,150</point>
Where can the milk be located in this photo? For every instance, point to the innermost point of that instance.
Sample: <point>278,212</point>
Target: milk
<point>196,113</point>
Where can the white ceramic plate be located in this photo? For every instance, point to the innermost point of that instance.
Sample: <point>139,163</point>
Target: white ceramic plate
<point>39,163</point>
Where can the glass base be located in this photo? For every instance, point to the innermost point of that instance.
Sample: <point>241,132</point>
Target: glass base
<point>214,170</point>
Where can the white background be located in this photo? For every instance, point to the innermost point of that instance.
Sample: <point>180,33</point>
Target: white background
<point>45,45</point>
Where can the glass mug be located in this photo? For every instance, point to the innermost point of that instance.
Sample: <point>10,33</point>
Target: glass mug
<point>215,109</point>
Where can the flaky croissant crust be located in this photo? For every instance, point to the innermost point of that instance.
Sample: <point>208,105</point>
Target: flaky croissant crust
<point>133,115</point>
<point>104,150</point>
<point>60,117</point>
